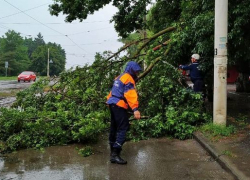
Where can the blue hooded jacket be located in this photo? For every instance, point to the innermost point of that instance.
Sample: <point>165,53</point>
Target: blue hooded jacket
<point>123,92</point>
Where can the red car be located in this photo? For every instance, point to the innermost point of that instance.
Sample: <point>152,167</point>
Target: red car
<point>26,76</point>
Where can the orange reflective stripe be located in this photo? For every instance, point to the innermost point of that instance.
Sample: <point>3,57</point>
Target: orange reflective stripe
<point>122,104</point>
<point>132,98</point>
<point>126,78</point>
<point>109,95</point>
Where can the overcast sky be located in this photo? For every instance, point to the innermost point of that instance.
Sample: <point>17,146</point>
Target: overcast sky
<point>80,40</point>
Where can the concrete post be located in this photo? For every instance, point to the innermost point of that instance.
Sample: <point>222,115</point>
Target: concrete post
<point>48,64</point>
<point>220,62</point>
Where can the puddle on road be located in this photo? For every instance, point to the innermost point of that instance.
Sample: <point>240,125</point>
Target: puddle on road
<point>57,162</point>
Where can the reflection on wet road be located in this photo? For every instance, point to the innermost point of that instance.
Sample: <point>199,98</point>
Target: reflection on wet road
<point>155,159</point>
<point>6,86</point>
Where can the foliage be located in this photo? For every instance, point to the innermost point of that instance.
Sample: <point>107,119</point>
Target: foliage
<point>73,109</point>
<point>172,110</point>
<point>12,49</point>
<point>229,153</point>
<point>39,59</point>
<point>86,151</point>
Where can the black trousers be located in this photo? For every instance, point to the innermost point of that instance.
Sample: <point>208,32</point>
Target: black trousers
<point>198,85</point>
<point>118,127</point>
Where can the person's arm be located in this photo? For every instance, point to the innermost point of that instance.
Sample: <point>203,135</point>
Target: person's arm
<point>185,67</point>
<point>130,94</point>
<point>132,99</point>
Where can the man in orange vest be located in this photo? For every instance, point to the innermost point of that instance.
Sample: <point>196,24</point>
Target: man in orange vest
<point>122,96</point>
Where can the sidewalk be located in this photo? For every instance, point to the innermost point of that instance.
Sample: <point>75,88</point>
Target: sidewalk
<point>233,153</point>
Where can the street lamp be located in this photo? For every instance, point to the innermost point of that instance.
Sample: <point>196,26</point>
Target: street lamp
<point>49,61</point>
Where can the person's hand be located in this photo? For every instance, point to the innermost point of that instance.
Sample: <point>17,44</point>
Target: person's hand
<point>137,114</point>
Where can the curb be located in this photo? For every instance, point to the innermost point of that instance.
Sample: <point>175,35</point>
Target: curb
<point>222,160</point>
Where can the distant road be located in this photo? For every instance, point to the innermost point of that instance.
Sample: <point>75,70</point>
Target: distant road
<point>13,84</point>
<point>6,86</point>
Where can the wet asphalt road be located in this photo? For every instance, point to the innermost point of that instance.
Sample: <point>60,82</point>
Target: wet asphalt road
<point>13,84</point>
<point>6,86</point>
<point>155,159</point>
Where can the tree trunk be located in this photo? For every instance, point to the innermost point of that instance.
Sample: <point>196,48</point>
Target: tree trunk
<point>243,83</point>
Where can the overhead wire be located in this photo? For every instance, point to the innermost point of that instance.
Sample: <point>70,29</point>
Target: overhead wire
<point>49,22</point>
<point>46,26</point>
<point>23,11</point>
<point>89,31</point>
<point>5,27</point>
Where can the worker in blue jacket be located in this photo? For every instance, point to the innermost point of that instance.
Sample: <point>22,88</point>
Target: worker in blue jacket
<point>195,74</point>
<point>122,96</point>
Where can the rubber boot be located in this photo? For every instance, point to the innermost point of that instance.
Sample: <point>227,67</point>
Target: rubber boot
<point>115,157</point>
<point>111,151</point>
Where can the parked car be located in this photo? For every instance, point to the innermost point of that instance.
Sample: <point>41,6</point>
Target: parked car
<point>26,76</point>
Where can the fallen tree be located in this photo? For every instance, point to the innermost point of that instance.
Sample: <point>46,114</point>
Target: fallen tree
<point>73,108</point>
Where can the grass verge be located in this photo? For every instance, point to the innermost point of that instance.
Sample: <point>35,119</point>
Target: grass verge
<point>215,132</point>
<point>8,78</point>
<point>5,94</point>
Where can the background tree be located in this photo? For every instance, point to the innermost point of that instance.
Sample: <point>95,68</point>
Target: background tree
<point>33,44</point>
<point>15,52</point>
<point>40,59</point>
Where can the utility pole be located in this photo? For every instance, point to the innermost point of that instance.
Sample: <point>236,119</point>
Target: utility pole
<point>48,64</point>
<point>220,62</point>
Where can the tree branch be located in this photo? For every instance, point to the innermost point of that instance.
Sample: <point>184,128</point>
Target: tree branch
<point>154,37</point>
<point>148,40</point>
<point>150,67</point>
<point>124,48</point>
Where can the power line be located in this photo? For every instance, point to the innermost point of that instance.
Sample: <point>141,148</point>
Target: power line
<point>89,31</point>
<point>52,23</point>
<point>97,43</point>
<point>76,44</point>
<point>33,18</point>
<point>45,25</point>
<point>5,27</point>
<point>23,11</point>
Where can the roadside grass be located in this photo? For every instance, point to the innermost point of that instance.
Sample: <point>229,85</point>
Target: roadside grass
<point>229,153</point>
<point>11,93</point>
<point>8,78</point>
<point>216,132</point>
